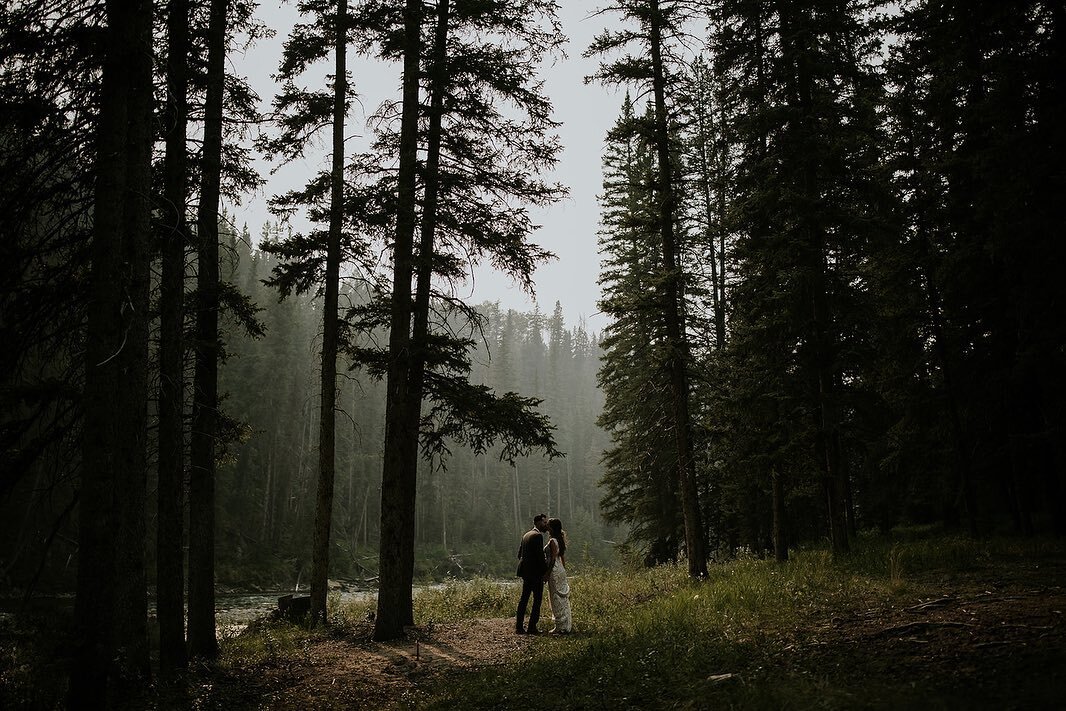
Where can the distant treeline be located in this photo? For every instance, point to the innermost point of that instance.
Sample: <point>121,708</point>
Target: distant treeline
<point>470,509</point>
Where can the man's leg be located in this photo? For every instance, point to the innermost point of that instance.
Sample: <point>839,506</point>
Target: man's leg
<point>527,588</point>
<point>534,613</point>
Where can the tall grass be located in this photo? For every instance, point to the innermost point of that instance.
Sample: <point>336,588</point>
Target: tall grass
<point>465,599</point>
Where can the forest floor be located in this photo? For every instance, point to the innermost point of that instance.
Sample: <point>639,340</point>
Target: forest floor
<point>350,671</point>
<point>934,622</point>
<point>991,637</point>
<point>989,640</point>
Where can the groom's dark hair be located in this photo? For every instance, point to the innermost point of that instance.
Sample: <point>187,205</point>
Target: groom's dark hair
<point>539,517</point>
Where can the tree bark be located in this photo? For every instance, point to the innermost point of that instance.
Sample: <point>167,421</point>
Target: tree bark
<point>111,628</point>
<point>327,418</point>
<point>708,165</point>
<point>396,550</point>
<point>202,640</point>
<point>779,521</point>
<point>170,566</point>
<point>795,46</point>
<point>424,261</point>
<point>672,317</point>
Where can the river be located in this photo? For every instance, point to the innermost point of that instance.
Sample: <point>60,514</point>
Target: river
<point>233,610</point>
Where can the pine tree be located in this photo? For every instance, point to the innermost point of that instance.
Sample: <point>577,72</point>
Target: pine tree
<point>469,197</point>
<point>655,24</point>
<point>49,80</point>
<point>640,478</point>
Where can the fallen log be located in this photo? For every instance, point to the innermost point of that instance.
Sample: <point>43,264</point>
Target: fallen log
<point>294,607</point>
<point>917,626</point>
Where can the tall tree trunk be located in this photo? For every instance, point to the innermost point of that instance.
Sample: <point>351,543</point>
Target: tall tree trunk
<point>676,341</point>
<point>424,263</point>
<point>202,640</point>
<point>327,420</point>
<point>796,48</point>
<point>708,163</point>
<point>780,527</point>
<point>431,182</point>
<point>170,565</point>
<point>396,551</point>
<point>111,615</point>
<point>722,175</point>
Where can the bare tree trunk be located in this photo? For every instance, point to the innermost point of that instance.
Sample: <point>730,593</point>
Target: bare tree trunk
<point>517,498</point>
<point>202,640</point>
<point>707,163</point>
<point>779,523</point>
<point>569,491</point>
<point>396,551</point>
<point>675,336</point>
<point>170,559</point>
<point>327,419</point>
<point>443,514</point>
<point>424,261</point>
<point>723,177</point>
<point>111,616</point>
<point>268,502</point>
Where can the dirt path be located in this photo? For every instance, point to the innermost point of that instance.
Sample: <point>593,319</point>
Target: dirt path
<point>356,673</point>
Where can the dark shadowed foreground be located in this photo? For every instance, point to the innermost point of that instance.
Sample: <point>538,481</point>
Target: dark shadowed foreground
<point>925,622</point>
<point>958,626</point>
<point>350,671</point>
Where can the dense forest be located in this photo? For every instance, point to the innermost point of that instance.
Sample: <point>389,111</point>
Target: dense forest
<point>830,237</point>
<point>850,209</point>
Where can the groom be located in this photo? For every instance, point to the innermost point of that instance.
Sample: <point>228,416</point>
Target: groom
<point>533,570</point>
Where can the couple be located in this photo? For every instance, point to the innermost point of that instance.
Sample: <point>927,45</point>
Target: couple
<point>539,564</point>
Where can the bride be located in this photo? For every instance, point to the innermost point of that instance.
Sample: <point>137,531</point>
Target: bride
<point>558,587</point>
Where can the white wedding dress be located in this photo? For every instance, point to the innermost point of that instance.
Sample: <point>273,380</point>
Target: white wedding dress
<point>559,594</point>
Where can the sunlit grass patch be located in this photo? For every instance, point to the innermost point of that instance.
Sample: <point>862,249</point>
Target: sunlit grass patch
<point>266,643</point>
<point>466,599</point>
<point>350,613</point>
<point>604,598</point>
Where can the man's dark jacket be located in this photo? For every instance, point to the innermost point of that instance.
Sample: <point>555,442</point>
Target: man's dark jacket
<point>531,563</point>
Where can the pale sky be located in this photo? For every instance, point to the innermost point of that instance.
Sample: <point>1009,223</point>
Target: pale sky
<point>568,228</point>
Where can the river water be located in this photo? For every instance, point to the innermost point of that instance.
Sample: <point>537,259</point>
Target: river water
<point>233,611</point>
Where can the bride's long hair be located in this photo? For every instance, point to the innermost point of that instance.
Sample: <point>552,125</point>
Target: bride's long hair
<point>556,528</point>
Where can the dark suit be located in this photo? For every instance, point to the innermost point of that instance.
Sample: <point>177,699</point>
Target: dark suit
<point>531,568</point>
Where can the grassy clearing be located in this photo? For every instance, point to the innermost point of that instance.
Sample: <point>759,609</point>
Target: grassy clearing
<point>657,639</point>
<point>811,633</point>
